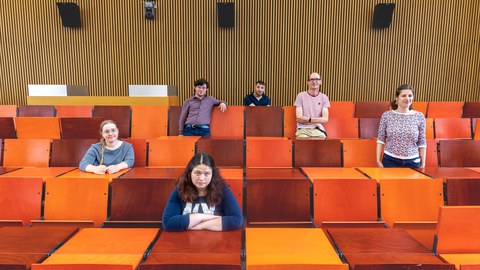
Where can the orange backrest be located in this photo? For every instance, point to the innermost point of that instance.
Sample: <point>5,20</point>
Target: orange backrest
<point>344,200</point>
<point>269,152</point>
<point>432,154</point>
<point>8,110</point>
<point>289,121</point>
<point>171,151</point>
<point>445,109</point>
<point>227,124</point>
<point>76,199</point>
<point>458,229</point>
<point>341,109</point>
<point>410,199</point>
<point>477,129</point>
<point>234,179</point>
<point>140,149</point>
<point>20,199</point>
<point>342,128</point>
<point>26,153</point>
<point>420,107</point>
<point>73,111</point>
<point>37,127</point>
<point>149,121</point>
<point>453,128</point>
<point>359,153</point>
<point>429,129</point>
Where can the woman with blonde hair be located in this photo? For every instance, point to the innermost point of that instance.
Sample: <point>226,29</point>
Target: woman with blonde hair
<point>110,155</point>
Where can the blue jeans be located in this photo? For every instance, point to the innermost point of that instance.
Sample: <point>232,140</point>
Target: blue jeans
<point>202,130</point>
<point>392,162</point>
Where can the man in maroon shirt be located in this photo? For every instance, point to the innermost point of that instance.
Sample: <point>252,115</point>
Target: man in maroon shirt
<point>197,111</point>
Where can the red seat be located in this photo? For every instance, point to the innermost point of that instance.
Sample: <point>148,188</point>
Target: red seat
<point>371,109</point>
<point>120,114</point>
<point>264,121</point>
<point>341,109</point>
<point>342,128</point>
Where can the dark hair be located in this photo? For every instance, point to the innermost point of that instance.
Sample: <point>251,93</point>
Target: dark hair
<point>260,82</point>
<point>394,104</point>
<point>188,191</point>
<point>199,82</point>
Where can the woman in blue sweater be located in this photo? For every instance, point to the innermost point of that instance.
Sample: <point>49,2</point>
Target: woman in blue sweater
<point>202,200</point>
<point>110,155</point>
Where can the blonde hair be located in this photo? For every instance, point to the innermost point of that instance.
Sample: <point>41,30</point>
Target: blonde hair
<point>104,144</point>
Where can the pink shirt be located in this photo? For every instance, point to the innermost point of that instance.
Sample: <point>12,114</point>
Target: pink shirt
<point>312,107</point>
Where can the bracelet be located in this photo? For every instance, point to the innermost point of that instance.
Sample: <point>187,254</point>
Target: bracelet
<point>309,119</point>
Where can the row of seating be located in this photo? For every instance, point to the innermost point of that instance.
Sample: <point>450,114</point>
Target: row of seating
<point>176,151</point>
<point>337,128</point>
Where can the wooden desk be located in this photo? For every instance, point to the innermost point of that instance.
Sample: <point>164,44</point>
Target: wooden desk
<point>463,261</point>
<point>196,250</point>
<point>392,173</point>
<point>332,173</point>
<point>273,173</point>
<point>290,248</point>
<point>77,173</point>
<point>475,169</point>
<point>90,261</point>
<point>20,261</point>
<point>4,170</point>
<point>39,172</point>
<point>102,100</point>
<point>151,172</point>
<point>381,246</point>
<point>450,172</point>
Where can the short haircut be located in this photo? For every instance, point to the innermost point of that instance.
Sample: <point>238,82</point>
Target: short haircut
<point>200,82</point>
<point>260,82</point>
<point>308,79</point>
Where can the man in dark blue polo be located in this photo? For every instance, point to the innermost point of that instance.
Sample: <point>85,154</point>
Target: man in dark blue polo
<point>257,97</point>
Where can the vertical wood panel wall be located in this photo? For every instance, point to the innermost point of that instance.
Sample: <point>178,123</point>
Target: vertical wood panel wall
<point>432,44</point>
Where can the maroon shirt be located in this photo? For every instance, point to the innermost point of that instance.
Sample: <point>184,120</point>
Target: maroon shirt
<point>197,111</point>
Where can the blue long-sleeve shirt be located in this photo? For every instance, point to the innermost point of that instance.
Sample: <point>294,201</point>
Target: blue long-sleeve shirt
<point>176,216</point>
<point>110,157</point>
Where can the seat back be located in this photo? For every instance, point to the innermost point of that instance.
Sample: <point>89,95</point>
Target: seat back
<point>359,153</point>
<point>36,111</point>
<point>317,153</point>
<point>369,127</point>
<point>371,109</point>
<point>344,200</point>
<point>453,128</point>
<point>171,151</point>
<point>289,121</point>
<point>73,111</point>
<point>445,109</point>
<point>476,129</point>
<point>21,199</point>
<point>457,229</point>
<point>268,152</point>
<point>81,127</point>
<point>341,109</point>
<point>140,148</point>
<point>26,153</point>
<point>459,153</point>
<point>432,154</point>
<point>410,199</point>
<point>471,110</point>
<point>69,152</point>
<point>37,127</point>
<point>225,152</point>
<point>173,118</point>
<point>8,110</point>
<point>149,121</point>
<point>229,123</point>
<point>7,128</point>
<point>120,114</point>
<point>429,129</point>
<point>264,121</point>
<point>76,199</point>
<point>342,128</point>
<point>463,191</point>
<point>420,107</point>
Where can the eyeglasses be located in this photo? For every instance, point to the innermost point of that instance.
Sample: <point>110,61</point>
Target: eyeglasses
<point>108,131</point>
<point>315,79</point>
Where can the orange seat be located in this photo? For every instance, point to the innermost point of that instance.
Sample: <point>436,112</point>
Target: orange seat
<point>20,199</point>
<point>420,107</point>
<point>8,110</point>
<point>73,199</point>
<point>268,152</point>
<point>234,179</point>
<point>344,200</point>
<point>289,121</point>
<point>458,230</point>
<point>342,128</point>
<point>341,109</point>
<point>477,129</point>
<point>140,148</point>
<point>429,129</point>
<point>453,128</point>
<point>445,109</point>
<point>73,111</point>
<point>171,151</point>
<point>359,153</point>
<point>264,121</point>
<point>36,111</point>
<point>227,124</point>
<point>26,153</point>
<point>37,127</point>
<point>149,121</point>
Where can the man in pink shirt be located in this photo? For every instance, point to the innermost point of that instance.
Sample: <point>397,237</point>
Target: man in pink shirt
<point>312,110</point>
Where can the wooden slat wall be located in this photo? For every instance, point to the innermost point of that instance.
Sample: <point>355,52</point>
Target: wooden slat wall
<point>432,44</point>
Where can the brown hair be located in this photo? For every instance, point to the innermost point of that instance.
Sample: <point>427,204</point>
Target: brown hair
<point>187,190</point>
<point>104,144</point>
<point>394,104</point>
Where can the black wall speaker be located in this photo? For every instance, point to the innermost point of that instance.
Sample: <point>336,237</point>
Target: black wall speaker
<point>382,15</point>
<point>226,14</point>
<point>70,14</point>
